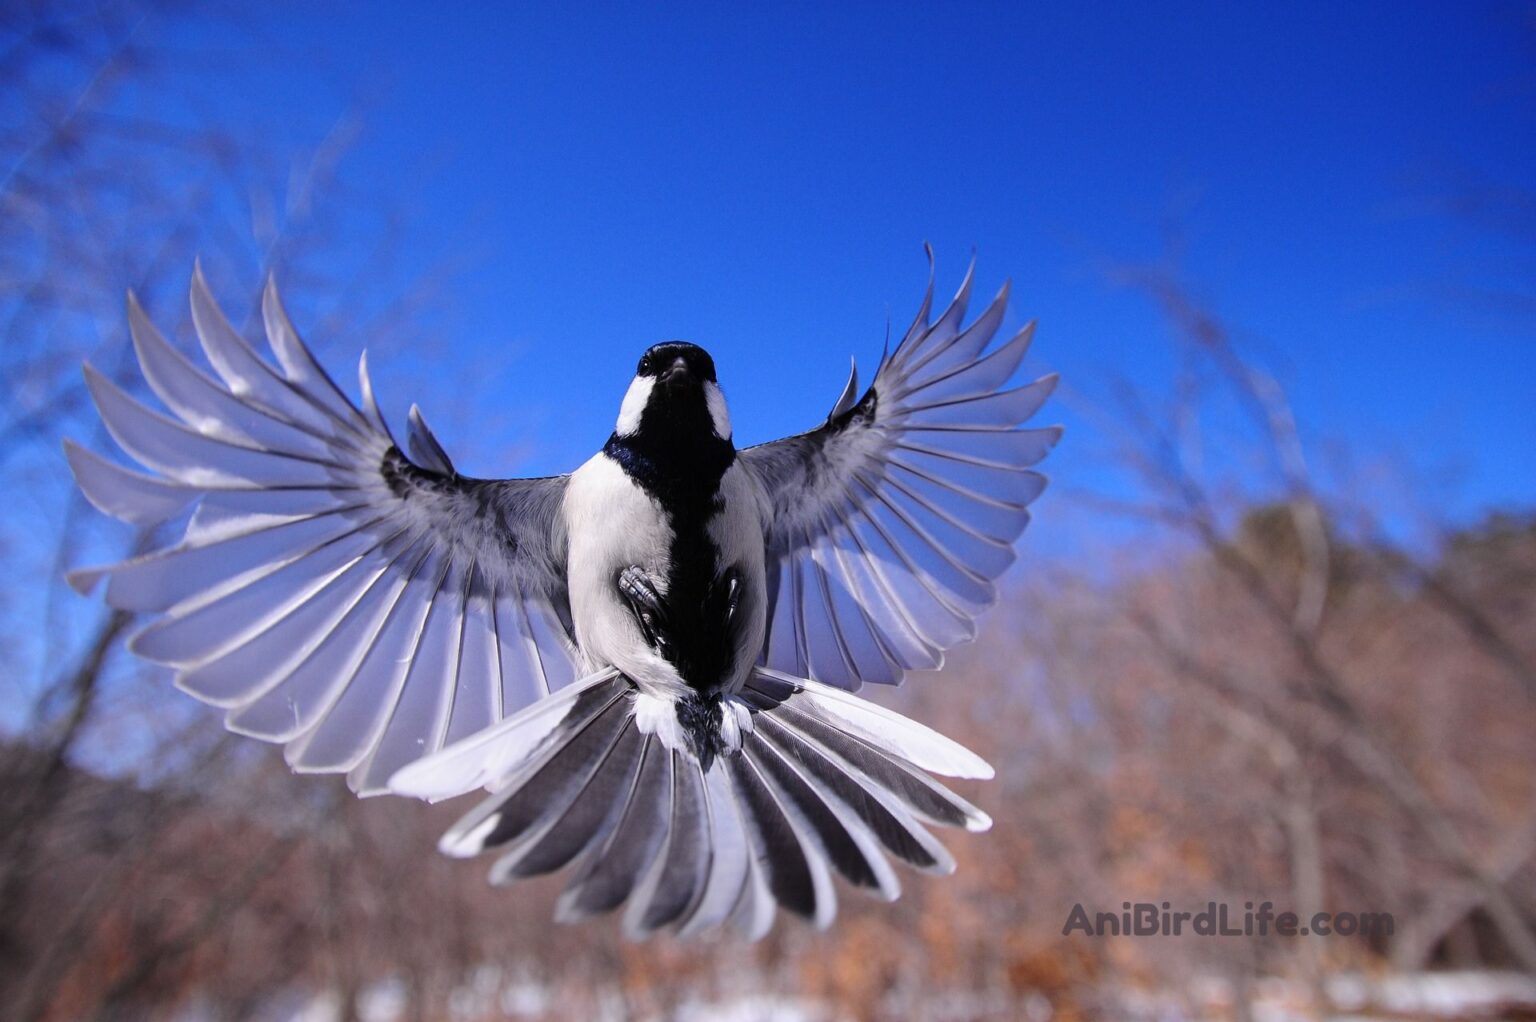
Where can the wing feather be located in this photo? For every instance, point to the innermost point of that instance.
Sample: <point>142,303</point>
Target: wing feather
<point>904,505</point>
<point>329,591</point>
<point>207,407</point>
<point>251,378</point>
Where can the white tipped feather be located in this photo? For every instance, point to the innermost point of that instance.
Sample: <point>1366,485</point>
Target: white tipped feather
<point>662,809</point>
<point>797,868</point>
<point>729,864</point>
<point>880,809</point>
<point>567,795</point>
<point>752,917</point>
<point>608,877</point>
<point>902,736</point>
<point>485,759</point>
<point>841,837</point>
<point>590,776</point>
<point>676,881</point>
<point>592,816</point>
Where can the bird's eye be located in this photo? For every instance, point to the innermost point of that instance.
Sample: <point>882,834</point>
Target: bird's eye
<point>644,367</point>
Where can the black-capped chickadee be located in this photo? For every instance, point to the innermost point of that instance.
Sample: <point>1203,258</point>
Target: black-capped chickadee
<point>648,663</point>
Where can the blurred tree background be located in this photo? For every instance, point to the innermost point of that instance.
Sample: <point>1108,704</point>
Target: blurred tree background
<point>1264,687</point>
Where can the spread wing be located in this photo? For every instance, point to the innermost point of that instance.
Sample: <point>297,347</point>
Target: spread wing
<point>361,605</point>
<point>889,524</point>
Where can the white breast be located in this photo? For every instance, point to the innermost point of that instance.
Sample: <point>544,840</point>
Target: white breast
<point>612,523</point>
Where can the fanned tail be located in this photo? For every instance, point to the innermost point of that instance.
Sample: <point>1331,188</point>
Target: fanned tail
<point>816,781</point>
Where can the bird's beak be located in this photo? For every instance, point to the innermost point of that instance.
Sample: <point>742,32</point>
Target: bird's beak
<point>676,373</point>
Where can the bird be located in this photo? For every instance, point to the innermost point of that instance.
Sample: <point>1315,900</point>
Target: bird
<point>649,665</point>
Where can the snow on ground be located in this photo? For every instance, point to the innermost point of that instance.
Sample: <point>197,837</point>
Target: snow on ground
<point>491,993</point>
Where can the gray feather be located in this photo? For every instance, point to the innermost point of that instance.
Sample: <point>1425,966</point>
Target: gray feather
<point>606,879</point>
<point>884,538</point>
<point>301,559</point>
<point>593,814</point>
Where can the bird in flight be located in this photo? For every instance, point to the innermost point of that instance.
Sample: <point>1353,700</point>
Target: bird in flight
<point>649,663</point>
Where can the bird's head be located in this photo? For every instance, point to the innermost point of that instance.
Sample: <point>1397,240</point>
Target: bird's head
<point>674,391</point>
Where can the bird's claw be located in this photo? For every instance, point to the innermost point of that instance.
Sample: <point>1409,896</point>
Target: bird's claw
<point>646,604</point>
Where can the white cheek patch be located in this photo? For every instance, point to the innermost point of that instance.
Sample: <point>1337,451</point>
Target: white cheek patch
<point>717,411</point>
<point>635,399</point>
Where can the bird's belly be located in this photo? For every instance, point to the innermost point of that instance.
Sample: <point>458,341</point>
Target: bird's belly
<point>613,524</point>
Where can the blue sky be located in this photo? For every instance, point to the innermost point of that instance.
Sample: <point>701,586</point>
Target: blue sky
<point>1352,185</point>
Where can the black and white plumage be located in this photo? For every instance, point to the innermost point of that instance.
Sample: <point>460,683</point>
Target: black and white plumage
<point>649,663</point>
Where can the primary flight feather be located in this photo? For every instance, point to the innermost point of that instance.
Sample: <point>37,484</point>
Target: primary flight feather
<point>648,663</point>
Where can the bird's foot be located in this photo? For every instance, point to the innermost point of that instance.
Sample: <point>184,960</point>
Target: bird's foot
<point>639,591</point>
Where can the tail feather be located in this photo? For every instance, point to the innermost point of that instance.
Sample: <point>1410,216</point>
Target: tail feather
<point>547,782</point>
<point>884,729</point>
<point>550,794</point>
<point>845,841</point>
<point>677,877</point>
<point>497,756</point>
<point>593,813</point>
<point>795,874</point>
<point>819,783</point>
<point>729,865</point>
<point>755,908</point>
<point>902,833</point>
<point>927,798</point>
<point>605,880</point>
<point>881,812</point>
